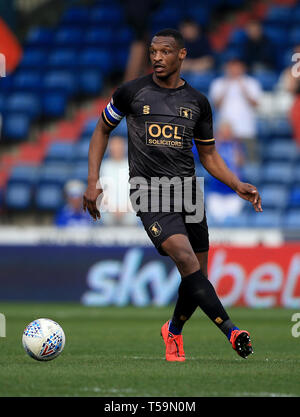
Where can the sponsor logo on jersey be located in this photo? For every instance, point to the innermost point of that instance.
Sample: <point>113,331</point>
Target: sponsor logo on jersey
<point>146,109</point>
<point>185,112</point>
<point>164,134</point>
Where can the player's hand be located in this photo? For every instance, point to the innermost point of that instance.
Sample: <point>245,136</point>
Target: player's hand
<point>90,198</point>
<point>250,193</point>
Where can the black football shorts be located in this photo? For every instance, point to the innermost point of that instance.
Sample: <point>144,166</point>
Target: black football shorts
<point>160,225</point>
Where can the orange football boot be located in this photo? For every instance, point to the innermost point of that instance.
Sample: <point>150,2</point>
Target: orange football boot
<point>174,344</point>
<point>241,343</point>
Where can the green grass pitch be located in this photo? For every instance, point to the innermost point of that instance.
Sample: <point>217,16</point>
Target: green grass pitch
<point>118,352</point>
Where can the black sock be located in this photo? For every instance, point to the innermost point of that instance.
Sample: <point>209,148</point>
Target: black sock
<point>184,309</point>
<point>197,289</point>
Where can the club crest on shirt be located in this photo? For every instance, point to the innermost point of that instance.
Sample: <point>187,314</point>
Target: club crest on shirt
<point>185,112</point>
<point>155,229</point>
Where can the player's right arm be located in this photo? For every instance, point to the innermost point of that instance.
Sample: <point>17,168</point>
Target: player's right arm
<point>98,145</point>
<point>111,116</point>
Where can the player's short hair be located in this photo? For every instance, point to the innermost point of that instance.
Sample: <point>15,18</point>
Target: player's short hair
<point>173,33</point>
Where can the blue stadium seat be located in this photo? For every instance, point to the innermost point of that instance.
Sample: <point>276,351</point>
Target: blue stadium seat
<point>6,83</point>
<point>60,81</point>
<point>251,172</point>
<point>18,196</point>
<point>281,128</point>
<point>81,150</point>
<point>121,129</point>
<point>24,103</point>
<point>39,36</point>
<point>294,36</point>
<point>99,36</point>
<point>297,174</point>
<point>2,102</point>
<point>120,58</point>
<point>33,58</point>
<point>106,15</point>
<point>199,13</point>
<point>278,173</point>
<point>294,199</point>
<point>89,127</point>
<point>280,151</point>
<point>267,218</point>
<point>56,173</point>
<point>190,3</point>
<point>296,15</point>
<point>16,126</point>
<point>292,219</point>
<point>278,15</point>
<point>54,104</point>
<point>263,129</point>
<point>84,137</point>
<point>68,37</point>
<point>80,171</point>
<point>27,80</point>
<point>24,174</point>
<point>75,16</point>
<point>277,34</point>
<point>96,58</point>
<point>63,58</point>
<point>90,82</point>
<point>274,196</point>
<point>267,79</point>
<point>59,152</point>
<point>200,81</point>
<point>241,220</point>
<point>49,197</point>
<point>123,36</point>
<point>167,16</point>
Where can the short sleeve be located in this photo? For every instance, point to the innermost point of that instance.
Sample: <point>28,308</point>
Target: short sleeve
<point>117,108</point>
<point>203,131</point>
<point>121,99</point>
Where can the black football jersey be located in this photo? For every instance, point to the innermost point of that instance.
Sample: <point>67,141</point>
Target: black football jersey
<point>162,124</point>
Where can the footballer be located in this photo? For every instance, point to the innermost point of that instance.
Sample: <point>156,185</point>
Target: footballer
<point>165,116</point>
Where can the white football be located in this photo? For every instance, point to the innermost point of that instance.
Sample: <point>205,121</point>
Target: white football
<point>43,339</point>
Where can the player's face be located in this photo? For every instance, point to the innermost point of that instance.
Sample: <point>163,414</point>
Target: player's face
<point>165,55</point>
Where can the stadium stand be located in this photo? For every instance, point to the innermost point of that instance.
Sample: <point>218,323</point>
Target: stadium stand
<point>76,58</point>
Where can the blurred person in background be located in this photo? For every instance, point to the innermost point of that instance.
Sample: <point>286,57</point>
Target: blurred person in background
<point>138,14</point>
<point>222,201</point>
<point>200,55</point>
<point>114,173</point>
<point>258,50</point>
<point>287,82</point>
<point>72,214</point>
<point>235,96</point>
<point>287,90</point>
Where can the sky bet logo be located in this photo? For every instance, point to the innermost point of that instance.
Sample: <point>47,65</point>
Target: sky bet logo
<point>164,134</point>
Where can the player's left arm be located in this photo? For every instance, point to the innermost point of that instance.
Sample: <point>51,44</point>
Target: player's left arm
<point>216,166</point>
